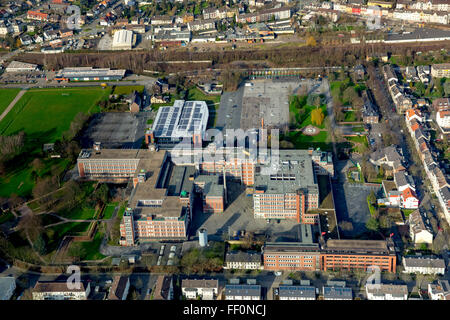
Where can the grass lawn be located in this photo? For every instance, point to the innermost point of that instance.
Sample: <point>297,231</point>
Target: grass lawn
<point>302,141</point>
<point>55,109</point>
<point>109,210</point>
<point>79,213</point>
<point>127,89</point>
<point>91,248</point>
<point>20,181</point>
<point>6,96</point>
<point>350,116</point>
<point>6,216</point>
<point>70,228</point>
<point>358,139</point>
<point>407,212</point>
<point>358,129</point>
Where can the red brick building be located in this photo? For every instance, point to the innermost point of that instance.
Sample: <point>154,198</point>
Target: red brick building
<point>291,256</point>
<point>358,254</point>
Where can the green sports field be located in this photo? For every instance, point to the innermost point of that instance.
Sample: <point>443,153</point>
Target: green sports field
<point>44,114</point>
<point>55,109</point>
<point>6,96</point>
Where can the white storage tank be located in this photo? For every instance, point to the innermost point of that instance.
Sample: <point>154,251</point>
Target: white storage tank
<point>203,237</point>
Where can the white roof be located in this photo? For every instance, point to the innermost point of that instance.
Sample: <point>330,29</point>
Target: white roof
<point>183,119</point>
<point>122,37</point>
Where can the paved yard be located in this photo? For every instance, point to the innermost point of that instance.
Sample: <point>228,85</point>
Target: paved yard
<point>239,216</point>
<point>351,203</point>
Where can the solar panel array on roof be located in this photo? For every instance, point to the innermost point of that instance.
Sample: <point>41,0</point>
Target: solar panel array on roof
<point>182,119</point>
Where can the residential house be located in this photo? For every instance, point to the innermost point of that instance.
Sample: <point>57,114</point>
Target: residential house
<point>297,292</point>
<point>386,292</point>
<point>441,70</point>
<point>59,290</point>
<point>243,260</point>
<point>242,292</point>
<point>441,104</point>
<point>403,181</point>
<point>424,265</point>
<point>419,228</point>
<point>7,287</point>
<point>119,288</point>
<point>440,290</point>
<point>200,25</point>
<point>443,120</point>
<point>135,102</point>
<point>409,199</point>
<point>337,293</point>
<point>205,289</point>
<point>164,288</point>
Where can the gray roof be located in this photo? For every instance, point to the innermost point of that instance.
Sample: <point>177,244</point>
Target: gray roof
<point>241,256</point>
<point>424,262</point>
<point>294,171</point>
<point>297,291</point>
<point>200,283</point>
<point>383,289</point>
<point>5,284</point>
<point>243,290</point>
<point>211,187</point>
<point>290,247</point>
<point>337,293</point>
<point>403,179</point>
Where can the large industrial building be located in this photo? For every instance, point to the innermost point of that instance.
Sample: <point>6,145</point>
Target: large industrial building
<point>292,256</point>
<point>89,74</point>
<point>17,66</point>
<point>123,40</point>
<point>162,197</point>
<point>358,254</point>
<point>183,120</point>
<point>290,191</point>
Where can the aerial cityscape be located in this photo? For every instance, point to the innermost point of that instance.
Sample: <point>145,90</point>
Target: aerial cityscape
<point>244,150</point>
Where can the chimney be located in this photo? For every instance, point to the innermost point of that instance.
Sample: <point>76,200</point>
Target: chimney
<point>97,146</point>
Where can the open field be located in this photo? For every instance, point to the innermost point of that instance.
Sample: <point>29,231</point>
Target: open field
<point>301,141</point>
<point>55,108</point>
<point>211,100</point>
<point>127,89</point>
<point>6,96</point>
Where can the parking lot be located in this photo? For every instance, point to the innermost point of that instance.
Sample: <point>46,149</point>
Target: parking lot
<point>229,114</point>
<point>351,204</point>
<point>238,216</point>
<point>23,77</point>
<point>116,130</point>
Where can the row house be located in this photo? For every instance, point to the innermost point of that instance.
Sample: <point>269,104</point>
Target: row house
<point>161,20</point>
<point>206,289</point>
<point>37,15</point>
<point>441,70</point>
<point>265,15</point>
<point>200,25</point>
<point>419,229</point>
<point>434,5</point>
<point>437,178</point>
<point>424,265</point>
<point>219,13</point>
<point>441,104</point>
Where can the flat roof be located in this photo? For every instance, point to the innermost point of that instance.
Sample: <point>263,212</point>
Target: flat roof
<point>294,171</point>
<point>358,246</point>
<point>56,286</point>
<point>81,72</point>
<point>287,247</point>
<point>183,119</point>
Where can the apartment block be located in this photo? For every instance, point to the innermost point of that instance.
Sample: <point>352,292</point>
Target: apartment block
<point>243,260</point>
<point>206,289</point>
<point>358,254</point>
<point>441,70</point>
<point>424,265</point>
<point>386,292</point>
<point>60,291</point>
